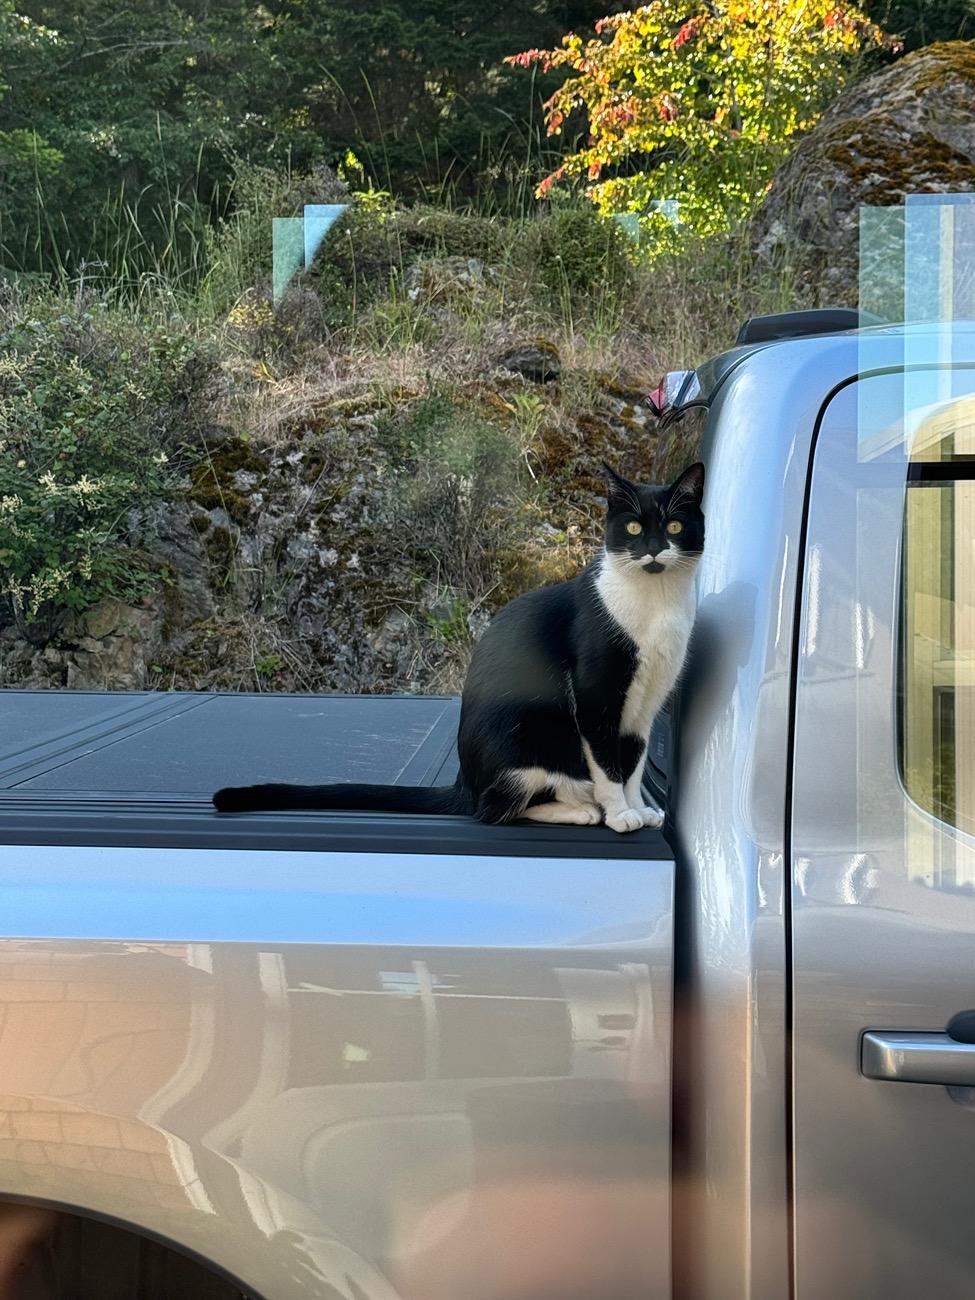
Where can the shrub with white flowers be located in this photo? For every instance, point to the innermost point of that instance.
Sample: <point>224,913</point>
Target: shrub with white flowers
<point>86,400</point>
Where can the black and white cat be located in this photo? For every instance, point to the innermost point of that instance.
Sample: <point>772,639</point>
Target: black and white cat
<point>564,683</point>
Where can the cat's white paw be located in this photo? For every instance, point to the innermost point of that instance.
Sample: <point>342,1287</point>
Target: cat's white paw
<point>652,817</point>
<point>627,820</point>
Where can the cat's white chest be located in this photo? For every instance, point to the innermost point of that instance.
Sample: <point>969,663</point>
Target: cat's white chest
<point>658,619</point>
<point>658,668</point>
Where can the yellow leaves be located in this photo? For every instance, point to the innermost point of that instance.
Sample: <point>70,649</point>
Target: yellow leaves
<point>251,315</point>
<point>703,98</point>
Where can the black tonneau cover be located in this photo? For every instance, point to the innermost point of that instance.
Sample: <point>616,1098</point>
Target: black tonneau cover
<point>121,769</point>
<point>184,745</point>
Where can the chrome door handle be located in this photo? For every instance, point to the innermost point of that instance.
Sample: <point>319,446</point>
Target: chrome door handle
<point>917,1058</point>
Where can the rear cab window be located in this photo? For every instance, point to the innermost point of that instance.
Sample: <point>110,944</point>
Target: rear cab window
<point>937,614</point>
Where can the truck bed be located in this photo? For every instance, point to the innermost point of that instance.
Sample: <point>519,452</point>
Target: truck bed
<point>122,768</point>
<point>183,745</point>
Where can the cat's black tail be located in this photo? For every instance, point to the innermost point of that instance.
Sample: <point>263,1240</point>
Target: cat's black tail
<point>346,795</point>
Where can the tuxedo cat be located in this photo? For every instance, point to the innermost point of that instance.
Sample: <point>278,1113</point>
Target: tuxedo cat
<point>564,683</point>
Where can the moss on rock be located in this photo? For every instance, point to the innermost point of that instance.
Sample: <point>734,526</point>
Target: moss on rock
<point>213,483</point>
<point>221,546</point>
<point>909,129</point>
<point>885,167</point>
<point>941,63</point>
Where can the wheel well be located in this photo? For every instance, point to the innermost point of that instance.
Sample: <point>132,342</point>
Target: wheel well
<point>47,1253</point>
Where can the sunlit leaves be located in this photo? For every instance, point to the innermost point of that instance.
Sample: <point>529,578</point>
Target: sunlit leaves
<point>696,100</point>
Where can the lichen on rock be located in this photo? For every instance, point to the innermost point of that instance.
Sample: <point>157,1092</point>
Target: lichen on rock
<point>909,129</point>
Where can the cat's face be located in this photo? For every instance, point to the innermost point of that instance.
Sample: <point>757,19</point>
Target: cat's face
<point>656,529</point>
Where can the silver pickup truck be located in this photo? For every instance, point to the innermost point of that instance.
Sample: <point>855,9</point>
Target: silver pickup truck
<point>366,1057</point>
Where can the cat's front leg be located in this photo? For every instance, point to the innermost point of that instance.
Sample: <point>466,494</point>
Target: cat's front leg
<point>603,761</point>
<point>633,793</point>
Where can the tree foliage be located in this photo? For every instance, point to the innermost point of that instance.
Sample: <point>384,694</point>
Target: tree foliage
<point>695,102</point>
<point>116,119</point>
<point>922,22</point>
<point>121,125</point>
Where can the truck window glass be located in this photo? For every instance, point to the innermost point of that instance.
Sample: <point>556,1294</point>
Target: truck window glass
<point>886,716</point>
<point>937,634</point>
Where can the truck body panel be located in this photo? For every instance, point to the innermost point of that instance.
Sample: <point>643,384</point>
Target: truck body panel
<point>344,1074</point>
<point>731,805</point>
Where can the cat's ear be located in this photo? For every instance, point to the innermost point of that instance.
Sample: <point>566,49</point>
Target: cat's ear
<point>688,486</point>
<point>618,491</point>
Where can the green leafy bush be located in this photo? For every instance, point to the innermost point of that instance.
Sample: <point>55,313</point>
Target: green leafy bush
<point>367,252</point>
<point>444,232</point>
<point>359,261</point>
<point>94,412</point>
<point>571,258</point>
<point>581,258</point>
<point>239,248</point>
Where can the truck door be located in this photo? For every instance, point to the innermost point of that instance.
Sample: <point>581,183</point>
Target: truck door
<point>883,845</point>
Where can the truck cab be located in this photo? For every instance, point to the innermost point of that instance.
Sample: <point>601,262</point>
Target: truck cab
<point>823,821</point>
<point>416,1058</point>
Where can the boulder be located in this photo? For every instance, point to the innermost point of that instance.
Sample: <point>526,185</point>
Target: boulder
<point>112,646</point>
<point>909,129</point>
<point>537,361</point>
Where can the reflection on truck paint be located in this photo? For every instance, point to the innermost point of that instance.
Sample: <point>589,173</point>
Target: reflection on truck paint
<point>344,1101</point>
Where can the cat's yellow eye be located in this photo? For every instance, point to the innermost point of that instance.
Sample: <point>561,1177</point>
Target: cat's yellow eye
<point>633,528</point>
<point>674,526</point>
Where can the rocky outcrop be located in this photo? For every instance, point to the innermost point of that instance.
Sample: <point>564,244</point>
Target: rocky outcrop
<point>447,280</point>
<point>537,361</point>
<point>907,130</point>
<point>111,647</point>
<point>365,544</point>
